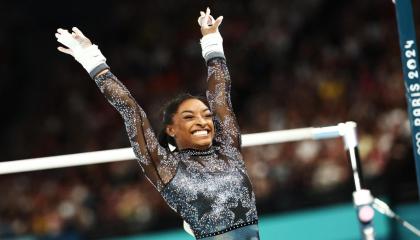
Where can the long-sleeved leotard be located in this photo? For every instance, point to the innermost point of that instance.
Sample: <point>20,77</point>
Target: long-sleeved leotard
<point>209,189</point>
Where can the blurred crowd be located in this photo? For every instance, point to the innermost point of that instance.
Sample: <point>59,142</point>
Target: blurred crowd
<point>293,64</point>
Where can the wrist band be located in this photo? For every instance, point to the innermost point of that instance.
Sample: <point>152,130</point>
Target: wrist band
<point>98,69</point>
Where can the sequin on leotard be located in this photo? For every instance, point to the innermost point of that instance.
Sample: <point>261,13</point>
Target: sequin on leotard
<point>210,189</point>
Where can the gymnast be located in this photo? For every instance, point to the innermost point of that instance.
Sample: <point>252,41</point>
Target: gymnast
<point>204,178</point>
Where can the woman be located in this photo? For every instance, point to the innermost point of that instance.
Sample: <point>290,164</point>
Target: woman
<point>204,179</point>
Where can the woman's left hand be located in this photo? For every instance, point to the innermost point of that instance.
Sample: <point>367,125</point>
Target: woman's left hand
<point>207,23</point>
<point>74,41</point>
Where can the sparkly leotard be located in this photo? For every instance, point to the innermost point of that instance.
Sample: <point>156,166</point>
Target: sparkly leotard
<point>210,189</point>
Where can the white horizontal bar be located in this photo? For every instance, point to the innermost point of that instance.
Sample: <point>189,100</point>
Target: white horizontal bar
<point>254,139</point>
<point>327,132</point>
<point>299,134</point>
<point>69,160</point>
<point>121,154</point>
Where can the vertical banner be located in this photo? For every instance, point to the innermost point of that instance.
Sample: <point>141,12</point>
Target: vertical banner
<point>410,67</point>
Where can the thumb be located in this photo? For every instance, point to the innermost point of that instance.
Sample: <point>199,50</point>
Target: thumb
<point>218,22</point>
<point>65,50</point>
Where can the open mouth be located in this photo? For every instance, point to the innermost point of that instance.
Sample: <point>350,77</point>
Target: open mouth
<point>201,133</point>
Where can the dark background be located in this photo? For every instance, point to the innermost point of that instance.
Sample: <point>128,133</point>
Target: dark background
<point>293,64</point>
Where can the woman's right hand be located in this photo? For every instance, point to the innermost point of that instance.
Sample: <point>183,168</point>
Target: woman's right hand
<point>207,23</point>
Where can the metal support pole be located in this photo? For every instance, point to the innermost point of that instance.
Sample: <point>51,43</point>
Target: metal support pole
<point>411,73</point>
<point>362,198</point>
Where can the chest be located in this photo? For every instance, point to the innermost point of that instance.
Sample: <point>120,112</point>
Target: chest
<point>213,178</point>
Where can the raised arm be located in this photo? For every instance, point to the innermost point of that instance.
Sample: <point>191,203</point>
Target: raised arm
<point>154,160</point>
<point>219,83</point>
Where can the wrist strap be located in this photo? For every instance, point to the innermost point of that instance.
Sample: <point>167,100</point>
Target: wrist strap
<point>90,58</point>
<point>212,46</point>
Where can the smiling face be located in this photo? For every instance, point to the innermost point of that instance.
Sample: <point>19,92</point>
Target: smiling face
<point>192,125</point>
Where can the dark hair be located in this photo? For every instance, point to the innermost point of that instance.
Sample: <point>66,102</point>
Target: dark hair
<point>168,111</point>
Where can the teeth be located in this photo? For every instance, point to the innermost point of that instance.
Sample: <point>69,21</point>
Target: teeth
<point>200,133</point>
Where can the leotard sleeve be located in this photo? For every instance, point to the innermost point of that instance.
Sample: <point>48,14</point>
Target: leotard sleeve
<point>218,96</point>
<point>157,162</point>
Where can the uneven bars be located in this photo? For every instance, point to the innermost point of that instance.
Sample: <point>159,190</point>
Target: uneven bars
<point>122,154</point>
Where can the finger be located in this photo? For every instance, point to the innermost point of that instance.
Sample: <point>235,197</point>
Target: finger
<point>218,22</point>
<point>62,31</point>
<point>65,50</point>
<point>205,19</point>
<point>200,20</point>
<point>77,31</point>
<point>63,34</point>
<point>207,16</point>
